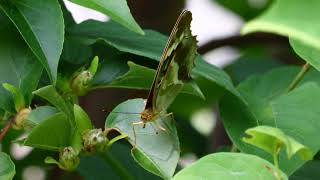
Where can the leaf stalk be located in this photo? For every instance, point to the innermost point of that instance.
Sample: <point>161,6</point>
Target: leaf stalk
<point>305,68</point>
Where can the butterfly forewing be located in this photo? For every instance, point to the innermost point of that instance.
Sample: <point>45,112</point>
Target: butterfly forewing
<point>175,65</point>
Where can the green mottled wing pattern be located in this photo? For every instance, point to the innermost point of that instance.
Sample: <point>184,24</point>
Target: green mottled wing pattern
<point>176,64</point>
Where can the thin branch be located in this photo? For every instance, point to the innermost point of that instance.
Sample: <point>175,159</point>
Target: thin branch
<point>6,128</point>
<point>238,40</point>
<point>305,68</point>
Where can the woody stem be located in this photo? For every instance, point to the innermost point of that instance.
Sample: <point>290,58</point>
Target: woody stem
<point>6,128</point>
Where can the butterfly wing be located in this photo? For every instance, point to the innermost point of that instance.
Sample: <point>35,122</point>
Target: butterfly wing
<point>176,64</point>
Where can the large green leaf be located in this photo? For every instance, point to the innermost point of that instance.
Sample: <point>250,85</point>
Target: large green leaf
<point>117,10</point>
<point>18,65</point>
<point>214,75</point>
<point>115,74</point>
<point>244,8</point>
<point>138,77</point>
<point>149,45</point>
<point>213,83</point>
<point>306,52</point>
<point>155,150</point>
<point>75,52</point>
<point>230,166</point>
<point>42,27</point>
<point>283,18</point>
<point>266,102</point>
<point>50,94</point>
<point>251,63</point>
<point>53,133</point>
<point>40,114</point>
<point>117,157</point>
<point>7,168</point>
<point>309,171</point>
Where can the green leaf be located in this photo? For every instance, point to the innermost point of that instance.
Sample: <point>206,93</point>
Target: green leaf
<point>51,160</point>
<point>308,53</point>
<point>117,10</point>
<point>154,149</point>
<point>266,102</point>
<point>40,114</point>
<point>309,171</point>
<point>214,75</point>
<point>53,134</point>
<point>94,65</point>
<point>118,157</point>
<point>50,94</point>
<point>213,83</point>
<point>244,8</point>
<point>230,166</point>
<point>83,123</point>
<point>18,66</point>
<point>283,18</point>
<point>67,16</point>
<point>272,139</point>
<point>149,45</point>
<point>251,63</point>
<point>108,71</point>
<point>18,98</point>
<point>42,27</point>
<point>7,168</point>
<point>82,119</point>
<point>75,52</point>
<point>137,77</point>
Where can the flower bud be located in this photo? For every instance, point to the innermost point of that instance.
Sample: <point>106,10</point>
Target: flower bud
<point>21,117</point>
<point>80,83</point>
<point>94,140</point>
<point>68,159</point>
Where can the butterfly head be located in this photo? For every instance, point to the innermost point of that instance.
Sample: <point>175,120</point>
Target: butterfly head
<point>147,115</point>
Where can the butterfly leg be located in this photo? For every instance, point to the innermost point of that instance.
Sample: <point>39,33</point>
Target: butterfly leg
<point>169,124</point>
<point>169,114</point>
<point>154,127</point>
<point>134,131</point>
<point>159,126</point>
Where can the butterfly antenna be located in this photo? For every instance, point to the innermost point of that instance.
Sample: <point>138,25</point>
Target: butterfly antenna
<point>104,110</point>
<point>124,112</point>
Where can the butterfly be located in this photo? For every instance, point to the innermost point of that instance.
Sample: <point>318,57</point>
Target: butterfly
<point>174,70</point>
<point>161,149</point>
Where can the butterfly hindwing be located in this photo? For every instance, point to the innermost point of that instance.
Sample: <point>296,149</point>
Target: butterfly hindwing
<point>175,66</point>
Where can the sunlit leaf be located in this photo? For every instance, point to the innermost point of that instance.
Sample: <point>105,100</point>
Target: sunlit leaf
<point>271,139</point>
<point>282,18</point>
<point>117,10</point>
<point>230,166</point>
<point>308,53</point>
<point>154,149</point>
<point>266,102</point>
<point>7,168</point>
